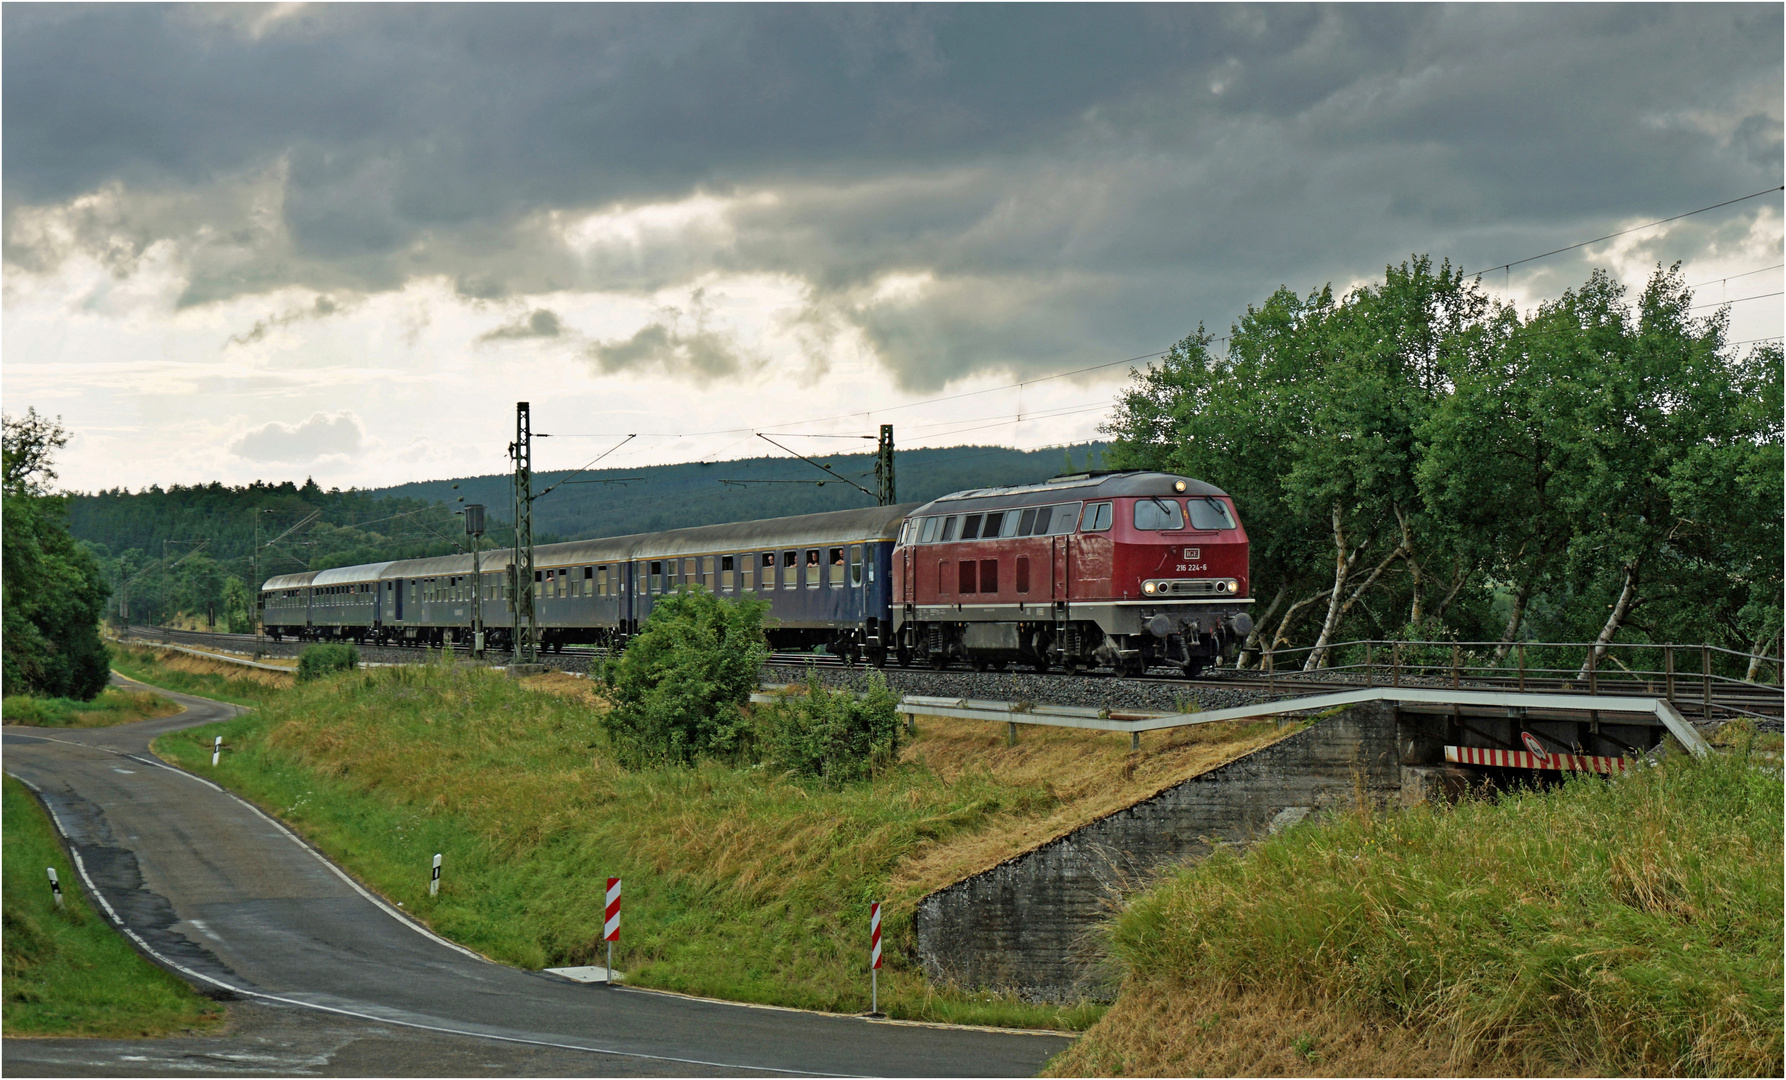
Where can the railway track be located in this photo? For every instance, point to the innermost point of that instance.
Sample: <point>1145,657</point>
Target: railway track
<point>1693,694</point>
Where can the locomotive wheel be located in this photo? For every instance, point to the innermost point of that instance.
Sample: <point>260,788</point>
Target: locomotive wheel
<point>1132,669</point>
<point>878,657</point>
<point>905,657</point>
<point>938,661</point>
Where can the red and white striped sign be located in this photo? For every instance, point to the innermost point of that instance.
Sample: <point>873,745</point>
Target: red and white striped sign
<point>611,928</point>
<point>874,935</point>
<point>1520,759</point>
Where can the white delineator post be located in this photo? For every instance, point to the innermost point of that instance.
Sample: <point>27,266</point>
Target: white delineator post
<point>434,878</point>
<point>217,750</point>
<point>55,886</point>
<point>611,922</point>
<point>874,957</point>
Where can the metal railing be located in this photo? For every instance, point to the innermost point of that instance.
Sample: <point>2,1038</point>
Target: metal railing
<point>1692,676</point>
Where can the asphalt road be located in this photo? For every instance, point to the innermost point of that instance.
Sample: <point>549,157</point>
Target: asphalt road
<point>213,888</point>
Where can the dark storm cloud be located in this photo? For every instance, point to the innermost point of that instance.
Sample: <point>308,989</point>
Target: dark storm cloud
<point>1071,178</point>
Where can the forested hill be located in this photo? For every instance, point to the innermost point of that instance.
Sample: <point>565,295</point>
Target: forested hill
<point>193,549</point>
<point>675,496</point>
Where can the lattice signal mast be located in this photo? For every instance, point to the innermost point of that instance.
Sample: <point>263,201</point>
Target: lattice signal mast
<point>883,467</point>
<point>521,566</point>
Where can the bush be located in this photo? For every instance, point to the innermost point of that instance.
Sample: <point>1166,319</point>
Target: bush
<point>835,736</point>
<point>318,661</point>
<point>680,688</point>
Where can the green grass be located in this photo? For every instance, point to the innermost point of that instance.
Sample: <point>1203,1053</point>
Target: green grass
<point>66,971</point>
<point>144,665</point>
<point>112,706</point>
<point>1602,927</point>
<point>740,883</point>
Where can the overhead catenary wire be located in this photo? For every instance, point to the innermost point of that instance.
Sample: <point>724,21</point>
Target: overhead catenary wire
<point>1627,232</point>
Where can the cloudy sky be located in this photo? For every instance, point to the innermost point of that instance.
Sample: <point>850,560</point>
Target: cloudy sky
<point>269,241</point>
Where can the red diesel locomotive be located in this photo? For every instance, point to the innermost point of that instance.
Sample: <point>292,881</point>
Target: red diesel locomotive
<point>1129,570</point>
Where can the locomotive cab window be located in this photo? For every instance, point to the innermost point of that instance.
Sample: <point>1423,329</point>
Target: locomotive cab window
<point>1155,514</point>
<point>1209,512</point>
<point>1098,517</point>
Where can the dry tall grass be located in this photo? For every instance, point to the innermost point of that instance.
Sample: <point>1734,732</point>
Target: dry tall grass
<point>1086,775</point>
<point>1630,926</point>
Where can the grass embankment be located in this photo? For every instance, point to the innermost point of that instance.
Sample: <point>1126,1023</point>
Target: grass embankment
<point>1631,927</point>
<point>188,674</point>
<point>740,883</point>
<point>112,706</point>
<point>66,971</point>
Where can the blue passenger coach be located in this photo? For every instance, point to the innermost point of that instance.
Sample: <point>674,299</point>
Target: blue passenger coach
<point>825,577</point>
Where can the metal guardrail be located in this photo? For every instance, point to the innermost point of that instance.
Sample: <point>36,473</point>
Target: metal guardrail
<point>1135,723</point>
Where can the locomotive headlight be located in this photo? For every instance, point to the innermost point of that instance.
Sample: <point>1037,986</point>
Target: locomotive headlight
<point>1149,588</point>
<point>1178,486</point>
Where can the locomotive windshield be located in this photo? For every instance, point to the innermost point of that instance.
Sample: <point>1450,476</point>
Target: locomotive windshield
<point>1154,513</point>
<point>1208,512</point>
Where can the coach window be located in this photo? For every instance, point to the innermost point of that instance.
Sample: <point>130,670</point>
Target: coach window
<point>1097,517</point>
<point>655,583</point>
<point>707,572</point>
<point>834,575</point>
<point>949,524</point>
<point>970,527</point>
<point>855,565</point>
<point>790,569</point>
<point>688,571</point>
<point>726,573</point>
<point>564,582</point>
<point>812,568</point>
<point>928,533</point>
<point>1157,514</point>
<point>747,568</point>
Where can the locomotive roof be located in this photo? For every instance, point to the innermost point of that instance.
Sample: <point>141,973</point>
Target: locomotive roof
<point>1074,486</point>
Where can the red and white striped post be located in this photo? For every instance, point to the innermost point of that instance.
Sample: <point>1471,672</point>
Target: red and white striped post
<point>611,924</point>
<point>874,957</point>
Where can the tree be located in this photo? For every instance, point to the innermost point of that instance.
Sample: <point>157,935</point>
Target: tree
<point>681,686</point>
<point>52,594</point>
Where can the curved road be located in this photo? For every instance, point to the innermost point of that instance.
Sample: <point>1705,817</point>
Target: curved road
<point>244,909</point>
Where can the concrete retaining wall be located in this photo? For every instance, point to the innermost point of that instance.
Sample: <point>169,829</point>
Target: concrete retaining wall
<point>1029,924</point>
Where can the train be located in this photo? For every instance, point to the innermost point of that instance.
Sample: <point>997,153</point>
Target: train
<point>1128,570</point>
